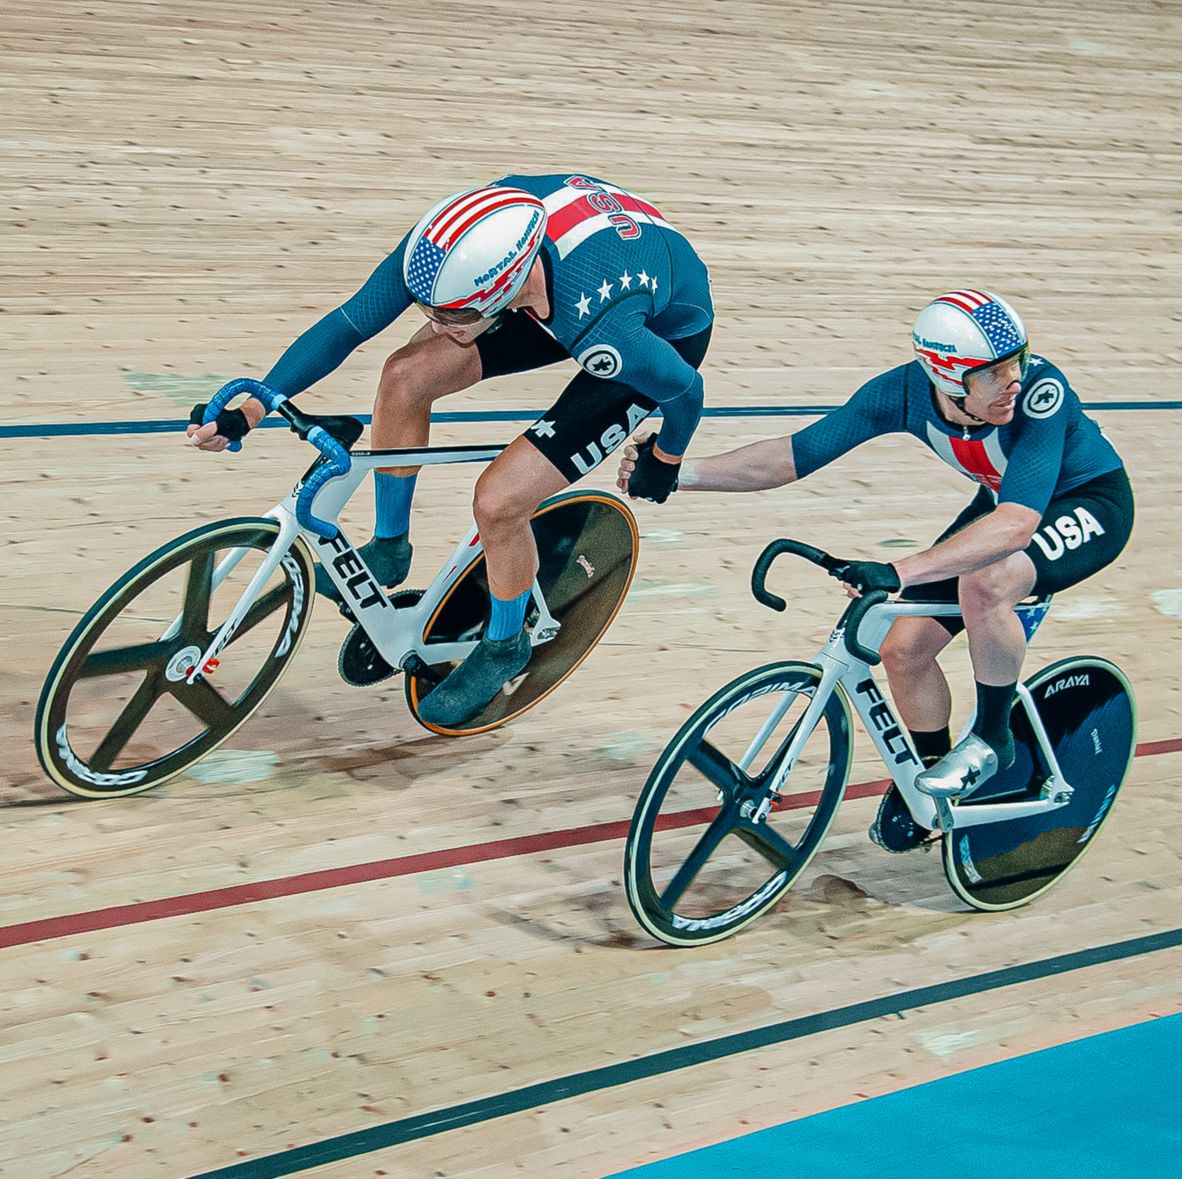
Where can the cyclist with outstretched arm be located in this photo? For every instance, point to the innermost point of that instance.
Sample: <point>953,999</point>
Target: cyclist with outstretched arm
<point>1054,506</point>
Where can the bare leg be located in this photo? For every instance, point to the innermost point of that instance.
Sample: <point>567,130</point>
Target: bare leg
<point>427,367</point>
<point>997,642</point>
<point>997,647</point>
<point>918,686</point>
<point>506,496</point>
<point>507,493</point>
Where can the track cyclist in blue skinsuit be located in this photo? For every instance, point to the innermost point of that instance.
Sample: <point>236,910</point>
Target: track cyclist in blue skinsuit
<point>521,273</point>
<point>1054,506</point>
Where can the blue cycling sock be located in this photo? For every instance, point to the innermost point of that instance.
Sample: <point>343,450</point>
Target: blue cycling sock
<point>393,494</point>
<point>508,616</point>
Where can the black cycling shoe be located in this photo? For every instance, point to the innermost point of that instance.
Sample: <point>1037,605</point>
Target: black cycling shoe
<point>470,688</point>
<point>894,829</point>
<point>387,556</point>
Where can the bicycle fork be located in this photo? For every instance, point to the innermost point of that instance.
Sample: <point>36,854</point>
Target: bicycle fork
<point>208,661</point>
<point>831,672</point>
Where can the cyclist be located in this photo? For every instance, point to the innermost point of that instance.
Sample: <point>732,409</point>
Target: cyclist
<point>517,274</point>
<point>1054,506</point>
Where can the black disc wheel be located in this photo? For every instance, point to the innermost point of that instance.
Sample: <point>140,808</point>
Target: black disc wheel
<point>1087,708</point>
<point>587,545</point>
<point>117,714</point>
<point>712,844</point>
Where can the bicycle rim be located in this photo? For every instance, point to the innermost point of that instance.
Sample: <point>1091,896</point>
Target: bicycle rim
<point>115,715</point>
<point>1088,710</point>
<point>697,868</point>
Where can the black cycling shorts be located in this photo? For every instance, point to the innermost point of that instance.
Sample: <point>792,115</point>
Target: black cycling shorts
<point>591,416</point>
<point>1080,532</point>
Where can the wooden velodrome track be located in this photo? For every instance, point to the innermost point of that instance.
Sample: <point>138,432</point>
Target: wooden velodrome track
<point>187,186</point>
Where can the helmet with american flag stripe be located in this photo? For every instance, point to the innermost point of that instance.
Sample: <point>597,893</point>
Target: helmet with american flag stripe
<point>473,250</point>
<point>965,330</point>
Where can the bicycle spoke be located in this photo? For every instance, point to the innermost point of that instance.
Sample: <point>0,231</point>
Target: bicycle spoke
<point>717,768</point>
<point>206,703</point>
<point>198,588</point>
<point>696,860</point>
<point>137,657</point>
<point>771,845</point>
<point>265,606</point>
<point>130,719</point>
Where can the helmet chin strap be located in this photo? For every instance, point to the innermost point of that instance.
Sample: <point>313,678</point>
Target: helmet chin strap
<point>959,403</point>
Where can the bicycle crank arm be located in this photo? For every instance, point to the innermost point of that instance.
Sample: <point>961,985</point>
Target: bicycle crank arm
<point>416,666</point>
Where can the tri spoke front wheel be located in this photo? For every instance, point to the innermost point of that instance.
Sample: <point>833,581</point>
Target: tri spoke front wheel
<point>118,713</point>
<point>719,834</point>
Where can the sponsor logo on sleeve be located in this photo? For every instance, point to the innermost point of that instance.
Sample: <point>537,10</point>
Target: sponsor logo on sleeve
<point>1044,398</point>
<point>601,360</point>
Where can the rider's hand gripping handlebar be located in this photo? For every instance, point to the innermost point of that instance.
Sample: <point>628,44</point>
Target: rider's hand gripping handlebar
<point>853,615</point>
<point>336,455</point>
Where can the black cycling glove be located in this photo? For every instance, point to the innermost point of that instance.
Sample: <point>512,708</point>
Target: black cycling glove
<point>232,424</point>
<point>865,576</point>
<point>653,479</point>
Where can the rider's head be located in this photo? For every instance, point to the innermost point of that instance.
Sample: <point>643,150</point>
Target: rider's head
<point>969,341</point>
<point>470,254</point>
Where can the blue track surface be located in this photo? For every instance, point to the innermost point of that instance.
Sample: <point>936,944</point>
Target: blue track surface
<point>1108,1107</point>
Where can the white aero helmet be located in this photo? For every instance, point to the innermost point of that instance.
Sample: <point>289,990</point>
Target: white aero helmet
<point>473,250</point>
<point>964,330</point>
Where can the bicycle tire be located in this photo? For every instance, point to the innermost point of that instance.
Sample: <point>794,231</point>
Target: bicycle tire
<point>1087,707</point>
<point>587,546</point>
<point>685,898</point>
<point>104,661</point>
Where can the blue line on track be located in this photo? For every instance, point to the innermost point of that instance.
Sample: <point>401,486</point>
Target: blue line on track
<point>420,1126</point>
<point>177,425</point>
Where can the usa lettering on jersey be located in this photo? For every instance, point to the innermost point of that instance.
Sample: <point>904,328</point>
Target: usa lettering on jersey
<point>584,207</point>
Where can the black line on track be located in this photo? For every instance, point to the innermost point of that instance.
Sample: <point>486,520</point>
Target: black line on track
<point>420,1126</point>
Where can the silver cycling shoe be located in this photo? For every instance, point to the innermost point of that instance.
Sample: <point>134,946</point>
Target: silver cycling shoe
<point>969,764</point>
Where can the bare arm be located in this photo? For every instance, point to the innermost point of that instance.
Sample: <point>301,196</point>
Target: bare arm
<point>750,468</point>
<point>1007,529</point>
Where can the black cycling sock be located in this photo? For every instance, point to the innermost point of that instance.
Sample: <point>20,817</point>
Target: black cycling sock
<point>993,714</point>
<point>931,746</point>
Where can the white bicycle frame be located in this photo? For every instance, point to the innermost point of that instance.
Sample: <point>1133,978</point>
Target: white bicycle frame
<point>396,633</point>
<point>845,672</point>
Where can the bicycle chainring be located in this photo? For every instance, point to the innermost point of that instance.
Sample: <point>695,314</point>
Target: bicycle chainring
<point>359,662</point>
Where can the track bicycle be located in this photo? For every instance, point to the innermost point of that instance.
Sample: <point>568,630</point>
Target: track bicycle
<point>179,652</point>
<point>741,799</point>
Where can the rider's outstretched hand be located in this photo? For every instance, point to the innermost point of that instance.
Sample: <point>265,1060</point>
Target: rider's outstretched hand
<point>231,425</point>
<point>628,458</point>
<point>860,577</point>
<point>645,476</point>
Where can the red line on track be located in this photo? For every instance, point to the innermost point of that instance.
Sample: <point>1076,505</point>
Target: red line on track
<point>286,886</point>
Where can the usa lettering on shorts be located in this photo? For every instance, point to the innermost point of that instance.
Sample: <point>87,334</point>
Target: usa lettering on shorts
<point>594,453</point>
<point>1067,532</point>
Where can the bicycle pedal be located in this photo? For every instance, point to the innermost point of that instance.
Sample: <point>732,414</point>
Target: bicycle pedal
<point>415,666</point>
